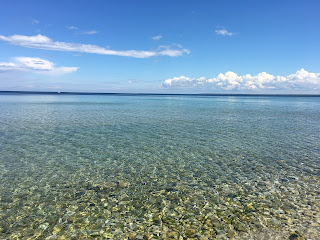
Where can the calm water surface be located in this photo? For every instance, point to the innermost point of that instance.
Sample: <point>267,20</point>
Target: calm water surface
<point>159,167</point>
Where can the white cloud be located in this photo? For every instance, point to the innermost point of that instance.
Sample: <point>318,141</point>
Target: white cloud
<point>72,27</point>
<point>43,42</point>
<point>301,80</point>
<point>167,50</point>
<point>90,32</point>
<point>181,82</point>
<point>224,32</point>
<point>157,37</point>
<point>35,65</point>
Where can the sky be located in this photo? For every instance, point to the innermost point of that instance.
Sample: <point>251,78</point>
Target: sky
<point>176,46</point>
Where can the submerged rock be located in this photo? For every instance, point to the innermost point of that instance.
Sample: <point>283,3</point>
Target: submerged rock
<point>295,236</point>
<point>123,184</point>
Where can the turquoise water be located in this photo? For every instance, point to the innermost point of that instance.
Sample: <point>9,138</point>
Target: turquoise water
<point>159,167</point>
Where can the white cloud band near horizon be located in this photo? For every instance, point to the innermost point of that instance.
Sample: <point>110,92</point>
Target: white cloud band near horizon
<point>43,42</point>
<point>230,81</point>
<point>35,65</point>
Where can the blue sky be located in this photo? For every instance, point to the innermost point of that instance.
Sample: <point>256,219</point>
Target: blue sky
<point>160,46</point>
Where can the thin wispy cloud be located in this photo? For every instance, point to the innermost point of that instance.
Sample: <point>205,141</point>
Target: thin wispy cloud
<point>85,33</point>
<point>224,32</point>
<point>34,65</point>
<point>90,32</point>
<point>35,21</point>
<point>43,42</point>
<point>71,27</point>
<point>301,80</point>
<point>156,38</point>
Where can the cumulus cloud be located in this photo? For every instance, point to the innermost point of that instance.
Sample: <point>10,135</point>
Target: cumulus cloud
<point>224,32</point>
<point>301,80</point>
<point>43,42</point>
<point>34,65</point>
<point>157,37</point>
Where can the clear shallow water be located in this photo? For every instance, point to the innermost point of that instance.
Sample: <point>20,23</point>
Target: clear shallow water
<point>159,167</point>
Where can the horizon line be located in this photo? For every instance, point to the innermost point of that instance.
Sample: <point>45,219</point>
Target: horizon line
<point>163,94</point>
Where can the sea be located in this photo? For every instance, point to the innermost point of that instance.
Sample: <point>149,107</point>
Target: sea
<point>148,166</point>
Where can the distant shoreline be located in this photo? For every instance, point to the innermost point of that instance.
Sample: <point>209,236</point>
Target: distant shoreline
<point>161,94</point>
